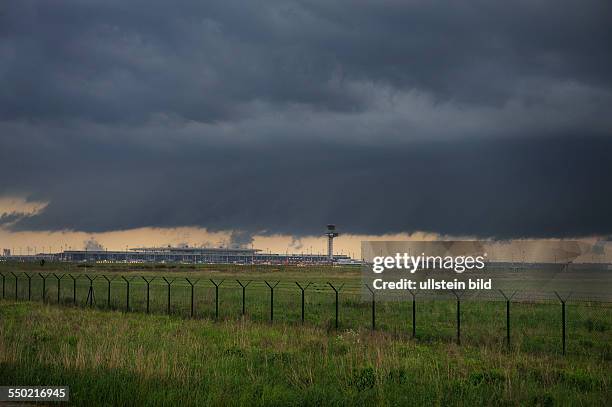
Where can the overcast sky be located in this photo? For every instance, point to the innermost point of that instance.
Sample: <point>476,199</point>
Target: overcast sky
<point>479,118</point>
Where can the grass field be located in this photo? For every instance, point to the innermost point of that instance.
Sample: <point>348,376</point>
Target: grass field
<point>133,358</point>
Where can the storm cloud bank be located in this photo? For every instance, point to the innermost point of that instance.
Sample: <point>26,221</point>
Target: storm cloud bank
<point>459,118</point>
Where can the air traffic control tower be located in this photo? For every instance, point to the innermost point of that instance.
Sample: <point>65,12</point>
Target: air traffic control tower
<point>331,233</point>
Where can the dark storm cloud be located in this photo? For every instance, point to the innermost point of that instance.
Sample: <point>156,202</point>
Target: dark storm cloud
<point>240,238</point>
<point>114,61</point>
<point>549,186</point>
<point>480,118</point>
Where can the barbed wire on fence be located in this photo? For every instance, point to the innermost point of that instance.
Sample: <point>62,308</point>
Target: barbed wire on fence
<point>330,291</point>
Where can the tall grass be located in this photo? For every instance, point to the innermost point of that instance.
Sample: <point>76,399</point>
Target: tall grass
<point>116,358</point>
<point>535,327</point>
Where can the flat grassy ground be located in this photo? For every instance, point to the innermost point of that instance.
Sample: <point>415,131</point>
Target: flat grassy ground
<point>114,357</point>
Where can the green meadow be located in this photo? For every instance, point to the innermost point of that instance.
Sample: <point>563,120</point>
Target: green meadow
<point>112,352</point>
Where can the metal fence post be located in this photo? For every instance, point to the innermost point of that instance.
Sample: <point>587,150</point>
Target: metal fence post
<point>563,301</point>
<point>127,294</point>
<point>44,286</point>
<point>91,299</point>
<point>16,284</point>
<point>59,286</point>
<point>271,298</point>
<point>413,314</point>
<point>73,288</point>
<point>373,307</point>
<point>148,282</point>
<point>458,321</point>
<point>244,286</point>
<point>458,317</point>
<point>563,324</point>
<point>127,280</point>
<point>29,285</point>
<point>216,296</point>
<point>508,299</point>
<point>303,289</point>
<point>108,290</point>
<point>169,283</point>
<point>192,284</point>
<point>336,290</point>
<point>3,277</point>
<point>508,323</point>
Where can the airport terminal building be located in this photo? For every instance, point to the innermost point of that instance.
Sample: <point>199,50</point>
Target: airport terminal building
<point>196,255</point>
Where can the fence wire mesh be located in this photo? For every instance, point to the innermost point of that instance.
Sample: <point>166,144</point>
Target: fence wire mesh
<point>548,324</point>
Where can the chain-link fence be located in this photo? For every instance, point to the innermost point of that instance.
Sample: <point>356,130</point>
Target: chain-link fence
<point>552,323</point>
